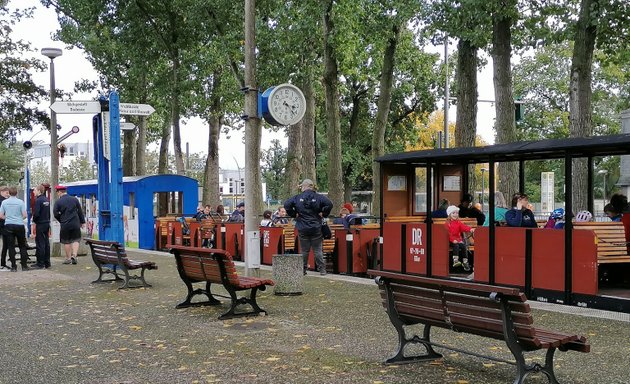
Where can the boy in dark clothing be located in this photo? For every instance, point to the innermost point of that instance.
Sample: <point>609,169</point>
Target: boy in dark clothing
<point>41,224</point>
<point>466,209</point>
<point>308,208</point>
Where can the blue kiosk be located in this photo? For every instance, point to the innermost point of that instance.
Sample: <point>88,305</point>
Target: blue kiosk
<point>141,195</point>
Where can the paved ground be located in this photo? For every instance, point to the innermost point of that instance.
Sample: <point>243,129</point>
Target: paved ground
<point>56,327</point>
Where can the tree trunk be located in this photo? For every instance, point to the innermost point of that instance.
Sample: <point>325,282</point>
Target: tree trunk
<point>580,93</point>
<point>129,147</point>
<point>211,193</point>
<point>466,122</point>
<point>164,141</point>
<point>175,114</point>
<point>333,126</point>
<point>466,78</point>
<point>383,105</point>
<point>505,124</point>
<point>351,139</point>
<point>308,130</point>
<point>295,159</point>
<point>141,147</point>
<point>163,165</point>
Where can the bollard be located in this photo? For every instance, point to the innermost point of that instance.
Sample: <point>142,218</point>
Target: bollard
<point>288,274</point>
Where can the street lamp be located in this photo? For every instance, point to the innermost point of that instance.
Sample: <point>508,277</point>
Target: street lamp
<point>483,171</point>
<point>52,53</point>
<point>605,173</point>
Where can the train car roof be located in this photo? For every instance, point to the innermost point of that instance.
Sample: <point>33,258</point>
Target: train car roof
<point>126,179</point>
<point>523,150</point>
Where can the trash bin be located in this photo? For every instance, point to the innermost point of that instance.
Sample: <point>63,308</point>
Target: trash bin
<point>288,274</point>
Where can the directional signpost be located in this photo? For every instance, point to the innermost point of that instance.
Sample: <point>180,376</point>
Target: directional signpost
<point>76,107</point>
<point>107,126</point>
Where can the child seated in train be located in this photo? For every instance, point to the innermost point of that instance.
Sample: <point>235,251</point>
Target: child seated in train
<point>556,219</point>
<point>456,230</point>
<point>612,213</point>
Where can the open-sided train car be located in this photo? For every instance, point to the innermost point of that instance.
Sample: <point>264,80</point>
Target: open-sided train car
<point>141,196</point>
<point>560,266</point>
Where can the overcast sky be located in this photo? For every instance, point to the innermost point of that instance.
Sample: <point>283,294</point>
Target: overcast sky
<point>72,66</point>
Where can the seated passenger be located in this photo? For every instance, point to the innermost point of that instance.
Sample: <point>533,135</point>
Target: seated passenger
<point>500,207</point>
<point>343,212</point>
<point>456,230</point>
<point>556,219</point>
<point>280,216</point>
<point>620,203</point>
<point>203,214</point>
<point>519,215</point>
<point>266,220</point>
<point>466,209</point>
<point>440,212</point>
<point>612,214</point>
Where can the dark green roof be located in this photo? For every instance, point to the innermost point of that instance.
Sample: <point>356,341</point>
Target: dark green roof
<point>522,150</point>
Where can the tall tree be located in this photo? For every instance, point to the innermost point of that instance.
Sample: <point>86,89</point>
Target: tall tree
<point>580,92</point>
<point>333,126</point>
<point>502,19</point>
<point>19,92</point>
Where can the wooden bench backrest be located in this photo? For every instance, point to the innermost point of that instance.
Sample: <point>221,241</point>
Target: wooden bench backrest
<point>203,264</point>
<point>406,219</point>
<point>461,306</point>
<point>107,252</point>
<point>611,239</point>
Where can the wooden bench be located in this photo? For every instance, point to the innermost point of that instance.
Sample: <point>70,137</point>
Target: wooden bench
<point>110,256</point>
<point>611,241</point>
<point>489,311</point>
<point>328,245</point>
<point>199,265</point>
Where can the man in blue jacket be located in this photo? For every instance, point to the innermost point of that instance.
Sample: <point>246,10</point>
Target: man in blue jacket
<point>308,208</point>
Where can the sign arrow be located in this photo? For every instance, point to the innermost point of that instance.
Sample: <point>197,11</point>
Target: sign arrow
<point>87,106</point>
<point>127,126</point>
<point>136,109</point>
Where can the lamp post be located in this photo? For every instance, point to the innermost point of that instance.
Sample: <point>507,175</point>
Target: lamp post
<point>52,53</point>
<point>483,187</point>
<point>605,173</point>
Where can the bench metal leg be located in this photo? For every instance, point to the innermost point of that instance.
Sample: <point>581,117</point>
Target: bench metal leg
<point>129,277</point>
<point>403,341</point>
<point>102,271</point>
<point>193,292</point>
<point>236,301</point>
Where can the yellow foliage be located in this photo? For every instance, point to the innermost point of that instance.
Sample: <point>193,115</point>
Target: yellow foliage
<point>427,128</point>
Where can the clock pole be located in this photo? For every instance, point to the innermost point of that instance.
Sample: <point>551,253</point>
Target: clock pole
<point>253,186</point>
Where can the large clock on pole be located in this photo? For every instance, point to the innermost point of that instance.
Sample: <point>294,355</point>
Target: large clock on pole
<point>283,104</point>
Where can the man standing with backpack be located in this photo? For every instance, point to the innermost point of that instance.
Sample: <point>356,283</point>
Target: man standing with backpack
<point>309,208</point>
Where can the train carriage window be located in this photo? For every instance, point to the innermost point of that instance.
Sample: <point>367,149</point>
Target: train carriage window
<point>132,205</point>
<point>420,191</point>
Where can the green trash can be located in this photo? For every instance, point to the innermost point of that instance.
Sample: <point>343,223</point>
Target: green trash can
<point>288,274</point>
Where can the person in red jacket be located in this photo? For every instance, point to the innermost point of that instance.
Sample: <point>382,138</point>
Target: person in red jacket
<point>456,229</point>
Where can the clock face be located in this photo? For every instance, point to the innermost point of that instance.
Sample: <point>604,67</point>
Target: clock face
<point>286,104</point>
